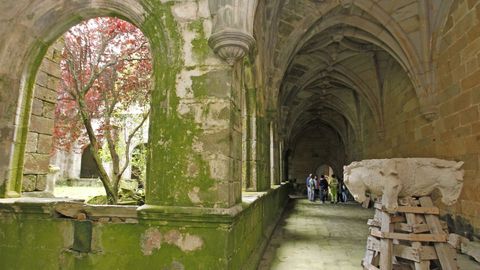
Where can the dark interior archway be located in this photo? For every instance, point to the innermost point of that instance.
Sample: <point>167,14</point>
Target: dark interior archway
<point>88,168</point>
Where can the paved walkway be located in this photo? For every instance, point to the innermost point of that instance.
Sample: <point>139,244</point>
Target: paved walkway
<point>322,236</point>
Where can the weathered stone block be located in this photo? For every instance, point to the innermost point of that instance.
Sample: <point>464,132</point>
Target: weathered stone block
<point>215,83</point>
<point>32,139</point>
<point>472,144</point>
<point>28,182</point>
<point>44,144</point>
<point>476,128</point>
<point>476,94</point>
<point>469,115</point>
<point>53,83</point>
<point>50,67</point>
<point>45,94</point>
<point>48,110</point>
<point>36,163</point>
<point>41,125</point>
<point>452,121</point>
<point>41,78</point>
<point>41,184</point>
<point>37,107</point>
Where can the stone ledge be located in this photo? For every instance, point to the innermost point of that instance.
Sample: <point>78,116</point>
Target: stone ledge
<point>77,209</point>
<point>65,208</point>
<point>206,215</point>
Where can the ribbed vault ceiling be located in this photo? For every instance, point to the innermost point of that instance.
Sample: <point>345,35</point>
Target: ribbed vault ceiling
<point>326,60</point>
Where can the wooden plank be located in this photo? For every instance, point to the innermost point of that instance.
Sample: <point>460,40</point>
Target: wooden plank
<point>411,209</point>
<point>386,245</point>
<point>370,267</point>
<point>419,265</point>
<point>418,210</point>
<point>373,243</point>
<point>396,219</point>
<point>441,237</point>
<point>422,264</point>
<point>403,227</point>
<point>428,253</point>
<point>444,251</point>
<point>416,253</point>
<point>406,252</point>
<point>369,256</point>
<point>420,228</point>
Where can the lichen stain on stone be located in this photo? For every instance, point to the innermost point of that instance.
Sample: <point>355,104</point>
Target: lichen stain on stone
<point>185,12</point>
<point>185,242</point>
<point>192,169</point>
<point>151,239</point>
<point>197,146</point>
<point>177,266</point>
<point>193,195</point>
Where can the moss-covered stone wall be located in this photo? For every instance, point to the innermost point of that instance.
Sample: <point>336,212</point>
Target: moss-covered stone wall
<point>35,236</point>
<point>195,134</point>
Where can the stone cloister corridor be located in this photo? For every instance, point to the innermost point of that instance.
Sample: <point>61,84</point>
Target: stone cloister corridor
<point>248,97</point>
<point>324,236</point>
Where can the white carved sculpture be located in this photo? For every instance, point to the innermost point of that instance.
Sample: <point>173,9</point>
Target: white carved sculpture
<point>403,177</point>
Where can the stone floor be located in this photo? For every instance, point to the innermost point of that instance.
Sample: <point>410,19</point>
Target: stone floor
<point>323,236</point>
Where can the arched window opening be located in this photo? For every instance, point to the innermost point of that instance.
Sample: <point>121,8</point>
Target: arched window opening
<point>88,168</point>
<point>91,105</point>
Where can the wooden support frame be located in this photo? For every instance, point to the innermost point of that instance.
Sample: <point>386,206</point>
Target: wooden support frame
<point>413,235</point>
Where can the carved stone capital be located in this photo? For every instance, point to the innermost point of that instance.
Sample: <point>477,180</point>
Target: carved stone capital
<point>428,107</point>
<point>430,113</point>
<point>232,30</point>
<point>231,45</point>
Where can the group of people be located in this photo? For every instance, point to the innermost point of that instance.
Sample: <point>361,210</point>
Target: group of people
<point>324,188</point>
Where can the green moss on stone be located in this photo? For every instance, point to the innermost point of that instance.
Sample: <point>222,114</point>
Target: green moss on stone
<point>213,83</point>
<point>200,43</point>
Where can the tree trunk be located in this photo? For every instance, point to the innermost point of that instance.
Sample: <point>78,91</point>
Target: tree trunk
<point>112,196</point>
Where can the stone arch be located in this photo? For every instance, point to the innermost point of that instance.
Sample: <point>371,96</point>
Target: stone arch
<point>390,37</point>
<point>347,77</point>
<point>338,106</point>
<point>296,131</point>
<point>324,169</point>
<point>36,30</point>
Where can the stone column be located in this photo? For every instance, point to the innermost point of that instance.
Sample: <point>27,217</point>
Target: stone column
<point>195,132</point>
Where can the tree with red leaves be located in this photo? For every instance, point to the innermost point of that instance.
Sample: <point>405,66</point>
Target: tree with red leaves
<point>106,82</point>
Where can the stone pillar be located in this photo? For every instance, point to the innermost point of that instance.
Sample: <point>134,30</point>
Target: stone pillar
<point>195,130</point>
<point>8,161</point>
<point>249,131</point>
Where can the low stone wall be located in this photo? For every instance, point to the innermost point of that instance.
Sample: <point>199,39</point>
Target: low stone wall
<point>59,234</point>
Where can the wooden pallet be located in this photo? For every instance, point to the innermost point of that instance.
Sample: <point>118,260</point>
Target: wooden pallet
<point>411,238</point>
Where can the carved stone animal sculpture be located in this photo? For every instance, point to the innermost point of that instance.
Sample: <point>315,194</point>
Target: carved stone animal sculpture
<point>403,177</point>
